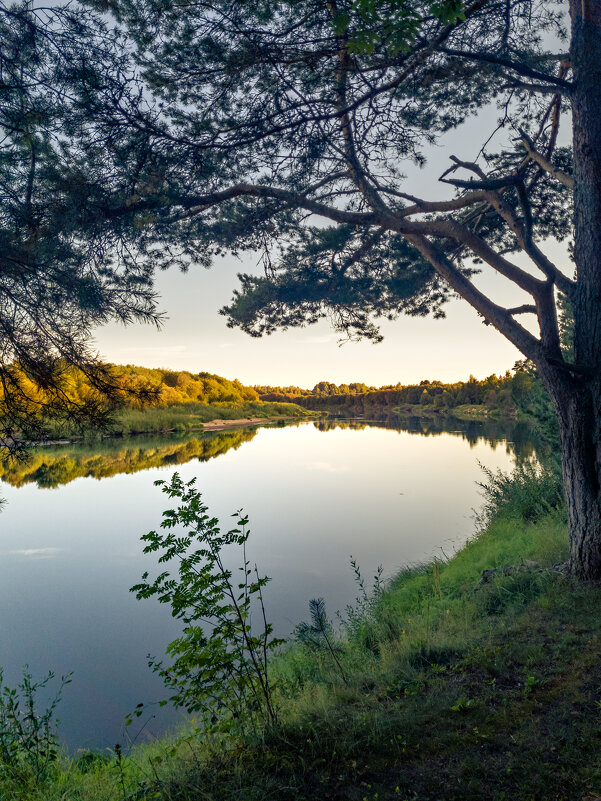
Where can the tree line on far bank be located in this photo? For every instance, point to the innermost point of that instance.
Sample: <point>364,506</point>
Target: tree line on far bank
<point>132,387</point>
<point>144,387</point>
<point>505,394</point>
<point>182,386</point>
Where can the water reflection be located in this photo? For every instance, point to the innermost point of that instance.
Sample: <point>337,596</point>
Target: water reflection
<point>315,493</point>
<point>49,467</point>
<point>52,467</point>
<point>518,437</point>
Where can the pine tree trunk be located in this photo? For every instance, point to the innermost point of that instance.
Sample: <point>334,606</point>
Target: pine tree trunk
<point>580,433</point>
<point>578,402</point>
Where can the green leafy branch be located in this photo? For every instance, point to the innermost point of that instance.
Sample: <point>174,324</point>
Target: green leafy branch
<point>219,663</point>
<point>397,22</point>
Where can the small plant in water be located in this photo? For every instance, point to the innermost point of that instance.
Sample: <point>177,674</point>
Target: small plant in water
<point>220,662</point>
<point>28,738</point>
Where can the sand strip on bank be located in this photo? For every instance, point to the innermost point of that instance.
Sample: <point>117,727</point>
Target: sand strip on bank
<point>217,425</point>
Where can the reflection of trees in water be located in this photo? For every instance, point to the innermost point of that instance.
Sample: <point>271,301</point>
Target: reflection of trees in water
<point>356,425</point>
<point>56,466</point>
<point>52,467</point>
<point>519,438</point>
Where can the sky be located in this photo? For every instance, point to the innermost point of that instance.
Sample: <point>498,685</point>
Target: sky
<point>195,337</point>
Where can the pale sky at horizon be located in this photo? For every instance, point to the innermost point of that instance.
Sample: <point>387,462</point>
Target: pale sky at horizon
<point>196,338</point>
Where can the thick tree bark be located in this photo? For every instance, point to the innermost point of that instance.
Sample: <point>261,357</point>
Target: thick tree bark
<point>579,407</point>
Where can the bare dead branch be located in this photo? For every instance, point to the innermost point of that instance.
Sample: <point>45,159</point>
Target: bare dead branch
<point>563,177</point>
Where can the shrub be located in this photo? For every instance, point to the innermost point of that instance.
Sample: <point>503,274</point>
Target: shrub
<point>528,493</point>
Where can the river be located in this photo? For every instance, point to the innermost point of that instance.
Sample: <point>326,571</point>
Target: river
<point>316,493</point>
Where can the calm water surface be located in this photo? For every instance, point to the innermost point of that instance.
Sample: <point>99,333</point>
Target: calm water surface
<point>315,494</point>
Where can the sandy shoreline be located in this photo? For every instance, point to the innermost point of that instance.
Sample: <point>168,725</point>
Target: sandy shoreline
<point>217,425</point>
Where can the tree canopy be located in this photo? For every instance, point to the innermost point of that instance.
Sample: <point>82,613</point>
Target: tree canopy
<point>268,116</point>
<point>63,271</point>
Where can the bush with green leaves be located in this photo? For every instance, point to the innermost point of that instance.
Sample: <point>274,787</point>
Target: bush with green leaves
<point>218,667</point>
<point>529,492</point>
<point>28,738</point>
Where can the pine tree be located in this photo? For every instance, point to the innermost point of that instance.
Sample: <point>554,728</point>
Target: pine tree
<point>62,271</point>
<point>236,126</point>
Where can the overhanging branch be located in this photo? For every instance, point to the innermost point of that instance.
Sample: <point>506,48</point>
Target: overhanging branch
<point>558,83</point>
<point>497,316</point>
<point>451,229</point>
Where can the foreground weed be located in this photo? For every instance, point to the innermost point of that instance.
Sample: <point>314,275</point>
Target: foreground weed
<point>318,635</point>
<point>219,665</point>
<point>28,738</point>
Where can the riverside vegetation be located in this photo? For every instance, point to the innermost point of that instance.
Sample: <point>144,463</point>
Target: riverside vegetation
<point>511,396</point>
<point>146,400</point>
<point>432,680</point>
<point>476,677</point>
<point>153,400</point>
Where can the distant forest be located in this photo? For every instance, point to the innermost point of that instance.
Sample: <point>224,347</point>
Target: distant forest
<point>209,396</point>
<point>182,386</point>
<point>507,395</point>
<point>142,400</point>
<point>142,386</point>
<point>165,387</point>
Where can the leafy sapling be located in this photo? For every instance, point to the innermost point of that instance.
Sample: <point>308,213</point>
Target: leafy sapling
<point>356,614</point>
<point>219,665</point>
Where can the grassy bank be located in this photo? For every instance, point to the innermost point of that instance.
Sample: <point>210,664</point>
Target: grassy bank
<point>192,416</point>
<point>448,687</point>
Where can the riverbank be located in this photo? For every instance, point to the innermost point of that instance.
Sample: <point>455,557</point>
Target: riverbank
<point>220,425</point>
<point>458,682</point>
<point>202,416</point>
<point>183,417</point>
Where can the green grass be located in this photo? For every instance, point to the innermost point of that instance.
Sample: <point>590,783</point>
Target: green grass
<point>188,416</point>
<point>455,689</point>
<point>181,417</point>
